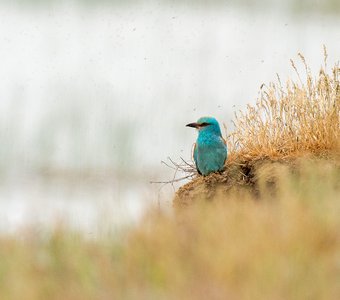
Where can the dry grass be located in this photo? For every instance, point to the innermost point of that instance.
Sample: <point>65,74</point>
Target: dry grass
<point>302,117</point>
<point>286,246</point>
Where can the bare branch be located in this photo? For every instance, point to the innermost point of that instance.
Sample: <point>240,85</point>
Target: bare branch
<point>183,166</point>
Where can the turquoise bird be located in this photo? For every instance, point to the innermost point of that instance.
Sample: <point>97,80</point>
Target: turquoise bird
<point>210,150</point>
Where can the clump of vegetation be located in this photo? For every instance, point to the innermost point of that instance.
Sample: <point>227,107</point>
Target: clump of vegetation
<point>300,118</point>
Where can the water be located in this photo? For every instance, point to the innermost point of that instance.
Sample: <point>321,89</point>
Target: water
<point>86,203</point>
<point>108,90</point>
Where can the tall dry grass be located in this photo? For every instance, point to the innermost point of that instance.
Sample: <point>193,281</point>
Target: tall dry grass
<point>298,118</point>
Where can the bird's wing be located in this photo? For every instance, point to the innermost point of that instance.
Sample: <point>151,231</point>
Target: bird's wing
<point>194,154</point>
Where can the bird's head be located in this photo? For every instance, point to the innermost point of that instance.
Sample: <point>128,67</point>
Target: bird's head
<point>207,125</point>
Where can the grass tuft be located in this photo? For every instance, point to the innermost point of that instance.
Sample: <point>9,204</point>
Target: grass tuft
<point>292,120</point>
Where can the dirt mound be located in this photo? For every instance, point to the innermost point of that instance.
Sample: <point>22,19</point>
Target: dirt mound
<point>239,176</point>
<point>235,175</point>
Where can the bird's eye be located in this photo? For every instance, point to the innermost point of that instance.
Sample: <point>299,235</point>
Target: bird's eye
<point>205,124</point>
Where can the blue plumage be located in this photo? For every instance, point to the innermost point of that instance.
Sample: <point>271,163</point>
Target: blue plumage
<point>210,151</point>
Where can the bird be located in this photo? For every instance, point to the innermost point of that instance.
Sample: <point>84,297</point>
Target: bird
<point>210,150</point>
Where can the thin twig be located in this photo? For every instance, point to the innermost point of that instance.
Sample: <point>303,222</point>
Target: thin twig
<point>164,163</point>
<point>183,167</point>
<point>173,180</point>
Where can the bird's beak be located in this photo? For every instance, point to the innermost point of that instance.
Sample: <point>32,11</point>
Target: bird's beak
<point>194,125</point>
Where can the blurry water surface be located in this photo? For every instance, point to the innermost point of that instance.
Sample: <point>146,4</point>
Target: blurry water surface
<point>92,98</point>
